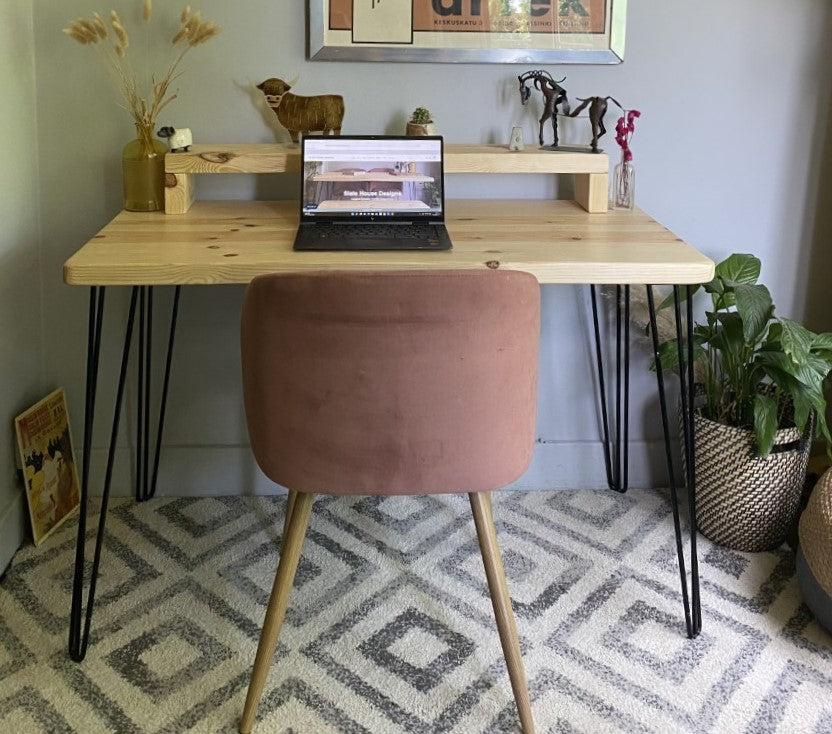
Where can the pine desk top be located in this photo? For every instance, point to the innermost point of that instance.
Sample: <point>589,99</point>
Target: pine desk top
<point>233,241</point>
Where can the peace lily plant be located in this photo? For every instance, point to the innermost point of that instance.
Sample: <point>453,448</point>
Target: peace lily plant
<point>759,371</point>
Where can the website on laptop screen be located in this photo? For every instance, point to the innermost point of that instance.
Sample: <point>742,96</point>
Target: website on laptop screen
<point>372,177</point>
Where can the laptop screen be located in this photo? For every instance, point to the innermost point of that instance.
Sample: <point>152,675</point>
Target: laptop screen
<point>372,178</point>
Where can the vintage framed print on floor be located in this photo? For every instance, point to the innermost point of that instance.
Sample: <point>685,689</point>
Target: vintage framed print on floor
<point>468,31</point>
<point>49,470</point>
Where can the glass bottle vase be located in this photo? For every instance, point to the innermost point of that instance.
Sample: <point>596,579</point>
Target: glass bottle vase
<point>623,186</point>
<point>143,167</point>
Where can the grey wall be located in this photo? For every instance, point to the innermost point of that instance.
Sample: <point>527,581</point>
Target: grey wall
<point>21,364</point>
<point>729,153</point>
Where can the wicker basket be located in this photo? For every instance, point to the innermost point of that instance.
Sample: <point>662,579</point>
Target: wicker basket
<point>816,532</point>
<point>745,501</point>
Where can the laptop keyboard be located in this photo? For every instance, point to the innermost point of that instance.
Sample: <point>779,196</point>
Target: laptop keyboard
<point>377,231</point>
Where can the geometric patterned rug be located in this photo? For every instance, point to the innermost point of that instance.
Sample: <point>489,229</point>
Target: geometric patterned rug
<point>390,627</point>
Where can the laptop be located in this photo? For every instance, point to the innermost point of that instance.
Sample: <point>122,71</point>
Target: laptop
<point>372,192</point>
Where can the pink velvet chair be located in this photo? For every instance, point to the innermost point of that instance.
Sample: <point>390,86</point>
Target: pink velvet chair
<point>391,383</point>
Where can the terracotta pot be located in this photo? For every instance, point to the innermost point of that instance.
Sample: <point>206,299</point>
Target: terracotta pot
<point>414,129</point>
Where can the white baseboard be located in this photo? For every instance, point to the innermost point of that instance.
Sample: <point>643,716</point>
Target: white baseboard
<point>189,471</point>
<point>12,529</point>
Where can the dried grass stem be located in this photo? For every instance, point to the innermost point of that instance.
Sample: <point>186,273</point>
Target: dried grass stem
<point>93,31</point>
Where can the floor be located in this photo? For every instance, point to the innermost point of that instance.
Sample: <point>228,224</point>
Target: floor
<point>390,628</point>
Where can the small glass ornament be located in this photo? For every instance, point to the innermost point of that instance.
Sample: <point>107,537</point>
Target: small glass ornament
<point>623,186</point>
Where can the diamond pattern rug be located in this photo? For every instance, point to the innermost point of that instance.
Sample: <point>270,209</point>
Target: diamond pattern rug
<point>390,627</point>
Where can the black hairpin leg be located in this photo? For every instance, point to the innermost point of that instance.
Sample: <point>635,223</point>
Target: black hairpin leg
<point>684,345</point>
<point>145,481</point>
<point>143,389</point>
<point>80,618</point>
<point>616,451</point>
<point>78,638</point>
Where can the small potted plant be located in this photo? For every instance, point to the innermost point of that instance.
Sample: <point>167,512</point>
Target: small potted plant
<point>421,123</point>
<point>760,400</point>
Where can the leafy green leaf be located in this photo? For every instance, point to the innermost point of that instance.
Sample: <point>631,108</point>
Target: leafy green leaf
<point>824,355</point>
<point>669,353</point>
<point>822,341</point>
<point>726,300</point>
<point>818,403</point>
<point>765,422</point>
<point>795,339</point>
<point>739,268</point>
<point>729,336</point>
<point>802,405</point>
<point>755,309</point>
<point>809,373</point>
<point>683,296</point>
<point>775,332</point>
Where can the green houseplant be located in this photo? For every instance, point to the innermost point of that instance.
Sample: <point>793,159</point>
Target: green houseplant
<point>760,385</point>
<point>421,122</point>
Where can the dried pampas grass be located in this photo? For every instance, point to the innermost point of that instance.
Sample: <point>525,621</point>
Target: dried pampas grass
<point>640,317</point>
<point>112,43</point>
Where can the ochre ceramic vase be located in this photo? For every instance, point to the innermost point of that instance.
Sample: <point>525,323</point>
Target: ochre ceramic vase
<point>143,165</point>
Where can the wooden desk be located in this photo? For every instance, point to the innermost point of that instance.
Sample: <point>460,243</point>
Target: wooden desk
<point>233,241</point>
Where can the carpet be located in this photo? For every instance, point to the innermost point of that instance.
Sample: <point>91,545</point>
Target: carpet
<point>390,627</point>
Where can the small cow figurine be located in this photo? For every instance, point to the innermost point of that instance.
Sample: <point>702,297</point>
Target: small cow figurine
<point>178,139</point>
<point>324,112</point>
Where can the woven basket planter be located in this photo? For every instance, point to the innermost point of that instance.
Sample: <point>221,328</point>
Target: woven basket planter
<point>814,560</point>
<point>745,501</point>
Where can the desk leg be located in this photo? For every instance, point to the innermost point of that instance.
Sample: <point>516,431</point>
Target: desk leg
<point>77,640</point>
<point>146,482</point>
<point>616,459</point>
<point>684,345</point>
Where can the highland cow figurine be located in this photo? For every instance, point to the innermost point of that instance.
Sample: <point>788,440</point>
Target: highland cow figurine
<point>323,113</point>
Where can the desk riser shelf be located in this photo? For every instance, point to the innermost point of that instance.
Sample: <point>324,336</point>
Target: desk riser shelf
<point>590,171</point>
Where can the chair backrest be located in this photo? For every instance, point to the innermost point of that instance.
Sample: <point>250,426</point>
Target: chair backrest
<point>404,382</point>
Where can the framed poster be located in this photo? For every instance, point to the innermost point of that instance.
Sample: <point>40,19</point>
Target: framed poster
<point>49,471</point>
<point>468,31</point>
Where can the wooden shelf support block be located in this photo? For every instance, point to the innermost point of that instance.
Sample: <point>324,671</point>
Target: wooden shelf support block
<point>179,192</point>
<point>592,191</point>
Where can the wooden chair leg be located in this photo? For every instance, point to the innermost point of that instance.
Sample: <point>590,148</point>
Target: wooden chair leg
<point>276,611</point>
<point>290,506</point>
<point>500,600</point>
